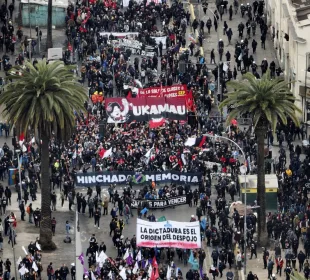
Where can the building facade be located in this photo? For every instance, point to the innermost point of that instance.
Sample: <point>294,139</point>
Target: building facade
<point>289,22</point>
<point>34,13</point>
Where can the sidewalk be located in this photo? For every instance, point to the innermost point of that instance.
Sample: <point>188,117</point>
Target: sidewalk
<point>26,232</point>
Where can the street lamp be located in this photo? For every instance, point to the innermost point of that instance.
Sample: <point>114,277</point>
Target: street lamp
<point>30,46</point>
<point>78,248</point>
<point>12,235</point>
<point>19,174</point>
<point>243,170</point>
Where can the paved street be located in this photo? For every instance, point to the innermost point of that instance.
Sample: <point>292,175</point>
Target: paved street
<point>211,40</point>
<point>66,252</point>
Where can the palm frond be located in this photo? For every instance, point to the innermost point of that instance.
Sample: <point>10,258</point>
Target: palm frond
<point>265,99</point>
<point>44,97</point>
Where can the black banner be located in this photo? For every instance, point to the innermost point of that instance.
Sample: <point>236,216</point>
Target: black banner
<point>159,203</point>
<point>122,177</point>
<point>121,110</point>
<point>308,111</point>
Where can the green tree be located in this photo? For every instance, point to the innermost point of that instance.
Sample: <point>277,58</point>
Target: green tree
<point>267,100</point>
<point>43,98</point>
<point>49,39</point>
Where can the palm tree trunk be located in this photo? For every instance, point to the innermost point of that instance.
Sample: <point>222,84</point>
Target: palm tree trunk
<point>49,41</point>
<point>46,234</point>
<point>261,189</point>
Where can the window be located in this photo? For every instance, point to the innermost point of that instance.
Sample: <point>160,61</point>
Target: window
<point>286,37</point>
<point>308,61</point>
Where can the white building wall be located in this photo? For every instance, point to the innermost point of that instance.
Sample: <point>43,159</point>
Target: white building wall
<point>291,55</point>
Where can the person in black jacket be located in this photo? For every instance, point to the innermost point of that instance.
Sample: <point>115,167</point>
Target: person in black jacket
<point>189,275</point>
<point>250,276</point>
<point>64,271</point>
<point>73,271</point>
<point>8,194</point>
<point>4,203</point>
<point>301,259</point>
<point>97,216</point>
<point>195,24</point>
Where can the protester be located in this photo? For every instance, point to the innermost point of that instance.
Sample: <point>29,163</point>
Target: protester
<point>116,67</point>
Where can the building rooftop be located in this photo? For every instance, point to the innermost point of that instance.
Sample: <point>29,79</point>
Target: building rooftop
<point>301,3</point>
<point>302,9</point>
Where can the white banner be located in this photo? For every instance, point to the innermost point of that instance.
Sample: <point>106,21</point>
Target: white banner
<point>161,39</point>
<point>185,235</point>
<point>130,43</point>
<point>134,45</point>
<point>210,164</point>
<point>119,34</point>
<point>148,2</point>
<point>54,54</point>
<point>126,2</point>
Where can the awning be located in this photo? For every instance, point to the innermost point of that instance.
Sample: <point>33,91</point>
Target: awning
<point>303,92</point>
<point>271,182</point>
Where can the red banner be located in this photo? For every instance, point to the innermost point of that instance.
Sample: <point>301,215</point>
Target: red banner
<point>166,91</point>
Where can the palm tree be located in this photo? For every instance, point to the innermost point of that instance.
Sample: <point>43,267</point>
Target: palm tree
<point>49,39</point>
<point>43,98</point>
<point>267,101</point>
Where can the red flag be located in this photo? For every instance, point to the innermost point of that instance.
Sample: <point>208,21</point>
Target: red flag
<point>101,152</point>
<point>234,122</point>
<point>22,137</point>
<point>189,104</point>
<point>189,94</point>
<point>69,47</point>
<point>203,140</point>
<point>189,100</point>
<point>156,122</point>
<point>155,274</point>
<point>154,262</point>
<point>172,158</point>
<point>129,95</point>
<point>180,163</point>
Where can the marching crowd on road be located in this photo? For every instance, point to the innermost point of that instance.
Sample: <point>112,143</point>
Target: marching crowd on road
<point>110,65</point>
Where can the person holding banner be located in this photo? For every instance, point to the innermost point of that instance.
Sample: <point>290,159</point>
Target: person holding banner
<point>155,136</point>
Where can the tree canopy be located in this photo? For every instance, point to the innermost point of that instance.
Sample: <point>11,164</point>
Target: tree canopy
<point>265,99</point>
<point>43,97</point>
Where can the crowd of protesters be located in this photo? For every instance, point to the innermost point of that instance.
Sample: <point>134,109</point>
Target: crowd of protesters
<point>108,70</point>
